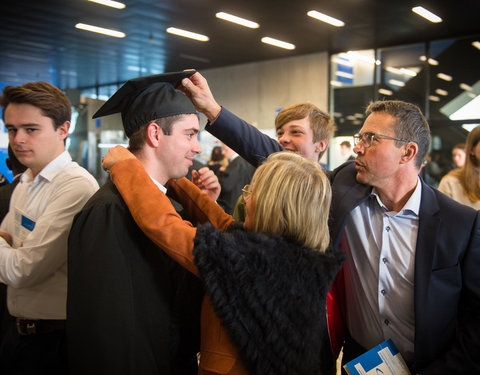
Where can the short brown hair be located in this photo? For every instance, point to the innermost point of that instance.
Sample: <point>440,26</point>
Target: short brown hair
<point>321,123</point>
<point>49,99</point>
<point>410,124</point>
<point>292,198</point>
<point>138,138</point>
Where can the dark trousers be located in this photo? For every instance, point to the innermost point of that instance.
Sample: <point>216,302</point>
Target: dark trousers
<point>38,354</point>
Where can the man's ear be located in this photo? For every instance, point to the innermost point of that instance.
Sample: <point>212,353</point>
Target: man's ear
<point>62,130</point>
<point>410,151</point>
<point>321,146</point>
<point>154,134</point>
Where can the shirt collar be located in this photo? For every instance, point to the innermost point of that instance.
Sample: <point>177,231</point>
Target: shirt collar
<point>50,170</point>
<point>159,185</point>
<point>413,203</point>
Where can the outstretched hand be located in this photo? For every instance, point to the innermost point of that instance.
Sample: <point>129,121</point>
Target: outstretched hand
<point>114,155</point>
<point>197,90</point>
<point>207,182</point>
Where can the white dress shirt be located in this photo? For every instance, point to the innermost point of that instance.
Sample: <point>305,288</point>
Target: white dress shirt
<point>379,274</point>
<point>39,221</point>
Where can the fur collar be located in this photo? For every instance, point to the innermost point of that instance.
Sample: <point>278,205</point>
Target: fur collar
<point>270,295</point>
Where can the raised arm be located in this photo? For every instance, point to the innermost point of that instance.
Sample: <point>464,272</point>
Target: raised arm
<point>243,138</point>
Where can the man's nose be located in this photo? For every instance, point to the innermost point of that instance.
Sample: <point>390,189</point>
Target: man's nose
<point>197,149</point>
<point>19,137</point>
<point>283,139</point>
<point>358,148</point>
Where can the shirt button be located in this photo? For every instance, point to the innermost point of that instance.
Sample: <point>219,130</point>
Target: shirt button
<point>388,229</point>
<point>387,322</point>
<point>383,291</point>
<point>384,260</point>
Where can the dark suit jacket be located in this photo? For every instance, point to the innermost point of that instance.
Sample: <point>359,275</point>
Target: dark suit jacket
<point>246,140</point>
<point>130,308</point>
<point>447,275</point>
<point>447,260</point>
<point>238,173</point>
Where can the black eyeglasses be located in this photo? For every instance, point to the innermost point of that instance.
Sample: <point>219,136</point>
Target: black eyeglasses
<point>246,191</point>
<point>368,137</point>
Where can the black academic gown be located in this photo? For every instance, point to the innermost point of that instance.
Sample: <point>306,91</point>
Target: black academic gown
<point>6,191</point>
<point>130,308</point>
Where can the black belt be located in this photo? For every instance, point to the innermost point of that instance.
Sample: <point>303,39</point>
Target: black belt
<point>35,327</point>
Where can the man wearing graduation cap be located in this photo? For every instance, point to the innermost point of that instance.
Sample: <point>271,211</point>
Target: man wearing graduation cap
<point>131,309</point>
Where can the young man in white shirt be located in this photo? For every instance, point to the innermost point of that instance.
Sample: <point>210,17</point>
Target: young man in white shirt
<point>33,243</point>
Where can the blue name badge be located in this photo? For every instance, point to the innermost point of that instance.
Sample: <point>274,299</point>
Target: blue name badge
<point>27,223</point>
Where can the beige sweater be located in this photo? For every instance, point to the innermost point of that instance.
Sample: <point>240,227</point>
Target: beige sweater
<point>452,187</point>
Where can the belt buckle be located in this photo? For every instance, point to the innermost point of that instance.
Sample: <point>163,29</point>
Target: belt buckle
<point>26,327</point>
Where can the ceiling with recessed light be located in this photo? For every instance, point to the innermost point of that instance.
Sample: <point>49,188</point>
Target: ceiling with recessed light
<point>39,41</point>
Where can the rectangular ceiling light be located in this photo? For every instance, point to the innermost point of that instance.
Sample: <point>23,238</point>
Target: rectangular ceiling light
<point>100,30</point>
<point>109,3</point>
<point>441,92</point>
<point>277,43</point>
<point>237,20</point>
<point>324,18</point>
<point>465,87</point>
<point>188,34</point>
<point>385,92</point>
<point>401,71</point>
<point>344,74</point>
<point>430,60</point>
<point>444,76</point>
<point>421,11</point>
<point>353,55</point>
<point>476,44</point>
<point>396,82</point>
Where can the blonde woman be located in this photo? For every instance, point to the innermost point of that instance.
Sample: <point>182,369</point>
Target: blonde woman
<point>463,184</point>
<point>266,281</point>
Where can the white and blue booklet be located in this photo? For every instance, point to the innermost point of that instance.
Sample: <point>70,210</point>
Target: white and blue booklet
<point>383,359</point>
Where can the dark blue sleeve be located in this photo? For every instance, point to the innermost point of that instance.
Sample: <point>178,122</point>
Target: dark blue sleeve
<point>462,357</point>
<point>245,139</point>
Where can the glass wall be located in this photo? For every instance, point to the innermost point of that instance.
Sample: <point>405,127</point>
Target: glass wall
<point>442,78</point>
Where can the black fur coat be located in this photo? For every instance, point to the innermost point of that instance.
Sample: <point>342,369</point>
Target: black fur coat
<point>270,295</point>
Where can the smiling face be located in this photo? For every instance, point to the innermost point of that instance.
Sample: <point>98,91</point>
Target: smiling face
<point>297,136</point>
<point>378,164</point>
<point>175,152</point>
<point>33,137</point>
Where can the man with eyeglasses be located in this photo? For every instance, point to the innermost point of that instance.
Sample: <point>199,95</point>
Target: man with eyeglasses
<point>412,253</point>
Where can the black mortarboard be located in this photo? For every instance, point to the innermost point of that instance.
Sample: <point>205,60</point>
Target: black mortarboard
<point>144,99</point>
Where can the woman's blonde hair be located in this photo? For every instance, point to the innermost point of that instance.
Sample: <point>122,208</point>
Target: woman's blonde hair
<point>291,196</point>
<point>469,174</point>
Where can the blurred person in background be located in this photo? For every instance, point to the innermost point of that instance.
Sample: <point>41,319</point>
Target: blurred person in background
<point>218,162</point>
<point>463,184</point>
<point>346,151</point>
<point>458,155</point>
<point>238,174</point>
